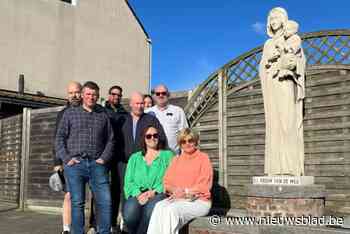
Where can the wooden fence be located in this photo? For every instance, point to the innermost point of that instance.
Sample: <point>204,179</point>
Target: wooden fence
<point>10,156</point>
<point>26,160</point>
<point>39,158</point>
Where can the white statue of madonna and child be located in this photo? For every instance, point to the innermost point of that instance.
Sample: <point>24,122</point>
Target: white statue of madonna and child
<point>282,75</point>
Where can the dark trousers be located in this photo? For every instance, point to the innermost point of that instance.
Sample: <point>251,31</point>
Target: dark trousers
<point>92,217</point>
<point>117,189</point>
<point>136,216</point>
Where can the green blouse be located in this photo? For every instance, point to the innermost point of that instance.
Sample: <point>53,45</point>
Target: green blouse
<point>139,176</point>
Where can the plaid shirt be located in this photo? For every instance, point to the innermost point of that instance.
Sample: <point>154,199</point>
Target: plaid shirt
<point>85,134</point>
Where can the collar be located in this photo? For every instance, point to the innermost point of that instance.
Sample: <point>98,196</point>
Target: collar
<point>130,115</point>
<point>164,109</point>
<point>97,108</point>
<point>115,108</point>
<point>190,156</point>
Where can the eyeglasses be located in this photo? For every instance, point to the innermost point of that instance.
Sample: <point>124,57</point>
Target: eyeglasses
<point>149,136</point>
<point>161,93</point>
<point>188,141</point>
<point>116,94</point>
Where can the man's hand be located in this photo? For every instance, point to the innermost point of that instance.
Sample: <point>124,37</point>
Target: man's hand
<point>58,168</point>
<point>100,161</point>
<point>72,162</point>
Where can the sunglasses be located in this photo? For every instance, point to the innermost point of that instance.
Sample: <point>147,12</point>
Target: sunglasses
<point>189,141</point>
<point>116,94</point>
<point>161,93</point>
<point>149,136</point>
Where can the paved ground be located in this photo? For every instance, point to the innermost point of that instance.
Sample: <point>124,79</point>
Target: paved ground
<point>14,221</point>
<point>29,222</point>
<point>5,206</point>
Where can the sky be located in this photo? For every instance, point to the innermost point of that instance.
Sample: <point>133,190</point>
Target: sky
<point>192,39</point>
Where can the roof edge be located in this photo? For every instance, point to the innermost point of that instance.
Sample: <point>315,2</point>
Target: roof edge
<point>32,97</point>
<point>137,19</point>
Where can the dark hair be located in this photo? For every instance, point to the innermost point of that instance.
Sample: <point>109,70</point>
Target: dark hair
<point>160,145</point>
<point>148,96</point>
<point>115,87</point>
<point>91,85</point>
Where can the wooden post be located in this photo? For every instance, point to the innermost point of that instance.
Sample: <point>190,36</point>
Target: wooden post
<point>222,87</point>
<point>24,157</point>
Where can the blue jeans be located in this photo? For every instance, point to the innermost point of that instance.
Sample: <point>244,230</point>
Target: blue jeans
<point>88,171</point>
<point>136,216</point>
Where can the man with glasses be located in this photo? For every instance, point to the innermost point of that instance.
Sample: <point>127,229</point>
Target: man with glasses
<point>85,143</point>
<point>116,113</point>
<point>115,94</point>
<point>172,118</point>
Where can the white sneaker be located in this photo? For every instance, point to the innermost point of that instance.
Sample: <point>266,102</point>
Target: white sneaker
<point>91,231</point>
<point>123,227</point>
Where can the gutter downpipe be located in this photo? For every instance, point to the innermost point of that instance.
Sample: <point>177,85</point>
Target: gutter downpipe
<point>150,64</point>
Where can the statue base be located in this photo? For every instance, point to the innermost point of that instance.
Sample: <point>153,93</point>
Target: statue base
<point>346,223</point>
<point>285,200</point>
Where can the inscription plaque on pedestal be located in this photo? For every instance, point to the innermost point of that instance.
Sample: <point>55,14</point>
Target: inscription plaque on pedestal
<point>283,180</point>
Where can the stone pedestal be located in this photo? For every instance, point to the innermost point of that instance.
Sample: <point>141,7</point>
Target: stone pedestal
<point>285,197</point>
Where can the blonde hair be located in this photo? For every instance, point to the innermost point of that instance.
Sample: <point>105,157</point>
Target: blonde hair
<point>187,133</point>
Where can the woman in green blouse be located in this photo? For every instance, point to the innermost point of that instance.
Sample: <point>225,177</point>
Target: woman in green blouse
<point>143,182</point>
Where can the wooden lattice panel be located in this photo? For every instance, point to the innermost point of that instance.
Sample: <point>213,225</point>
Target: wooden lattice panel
<point>320,48</point>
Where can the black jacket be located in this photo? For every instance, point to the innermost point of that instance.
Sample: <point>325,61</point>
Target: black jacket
<point>57,161</point>
<point>118,109</point>
<point>125,144</point>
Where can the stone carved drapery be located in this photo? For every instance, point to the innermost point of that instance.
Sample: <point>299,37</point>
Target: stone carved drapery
<point>281,71</point>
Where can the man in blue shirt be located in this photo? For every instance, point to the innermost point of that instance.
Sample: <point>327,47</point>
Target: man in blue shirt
<point>85,142</point>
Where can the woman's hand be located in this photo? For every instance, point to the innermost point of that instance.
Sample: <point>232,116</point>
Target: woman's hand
<point>192,194</point>
<point>177,193</point>
<point>143,198</point>
<point>150,194</point>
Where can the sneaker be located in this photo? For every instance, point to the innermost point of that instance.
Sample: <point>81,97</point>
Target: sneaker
<point>114,230</point>
<point>65,232</point>
<point>92,231</point>
<point>122,226</point>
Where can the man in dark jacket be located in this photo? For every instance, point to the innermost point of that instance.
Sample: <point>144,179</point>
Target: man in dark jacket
<point>115,94</point>
<point>131,127</point>
<point>74,99</point>
<point>116,112</point>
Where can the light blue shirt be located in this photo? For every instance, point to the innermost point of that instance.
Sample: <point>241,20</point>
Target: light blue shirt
<point>134,125</point>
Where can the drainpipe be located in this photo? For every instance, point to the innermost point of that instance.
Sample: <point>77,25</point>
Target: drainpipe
<point>150,64</point>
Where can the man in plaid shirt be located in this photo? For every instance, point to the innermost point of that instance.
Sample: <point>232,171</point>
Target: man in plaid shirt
<point>84,142</point>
